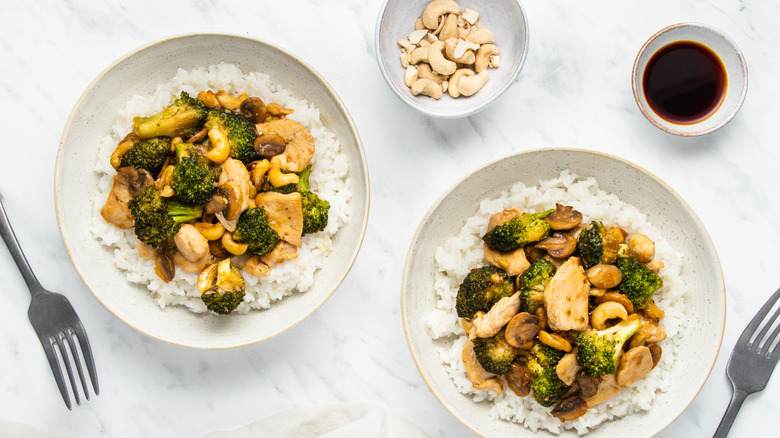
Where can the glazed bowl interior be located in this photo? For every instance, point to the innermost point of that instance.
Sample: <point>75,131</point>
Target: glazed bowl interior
<point>505,18</point>
<point>76,186</point>
<point>705,303</point>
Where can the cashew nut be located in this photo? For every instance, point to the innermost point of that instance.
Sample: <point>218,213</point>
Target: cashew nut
<point>210,231</point>
<point>410,75</point>
<point>220,146</point>
<point>468,85</point>
<point>616,297</point>
<point>606,311</point>
<point>427,87</point>
<point>438,62</point>
<point>424,72</point>
<point>419,55</point>
<point>405,59</point>
<point>453,82</point>
<point>437,8</point>
<point>206,278</point>
<point>232,246</point>
<point>480,35</point>
<point>483,57</point>
<point>464,56</point>
<point>449,27</point>
<point>165,181</point>
<point>554,341</point>
<point>277,178</point>
<point>258,171</point>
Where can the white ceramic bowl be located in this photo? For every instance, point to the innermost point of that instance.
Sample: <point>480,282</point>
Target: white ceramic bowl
<point>723,47</point>
<point>706,304</point>
<point>505,18</point>
<point>76,185</point>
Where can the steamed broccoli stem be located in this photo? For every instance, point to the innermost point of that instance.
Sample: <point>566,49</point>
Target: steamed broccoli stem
<point>149,154</point>
<point>532,282</point>
<point>639,282</point>
<point>228,289</point>
<point>240,132</point>
<point>598,351</point>
<point>156,220</point>
<point>481,289</point>
<point>194,180</point>
<point>183,118</point>
<point>518,232</point>
<point>494,353</point>
<point>253,229</point>
<point>547,387</point>
<point>599,244</point>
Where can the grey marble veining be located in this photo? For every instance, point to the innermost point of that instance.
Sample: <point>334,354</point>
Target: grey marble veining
<point>574,91</point>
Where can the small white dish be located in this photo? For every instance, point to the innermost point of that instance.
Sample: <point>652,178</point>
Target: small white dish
<point>730,57</point>
<point>505,18</point>
<point>76,184</point>
<point>705,304</point>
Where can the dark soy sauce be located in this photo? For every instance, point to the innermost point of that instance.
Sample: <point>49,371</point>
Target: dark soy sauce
<point>684,82</point>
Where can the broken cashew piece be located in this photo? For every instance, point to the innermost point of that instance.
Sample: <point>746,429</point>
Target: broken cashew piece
<point>455,78</point>
<point>427,87</point>
<point>410,75</point>
<point>435,9</point>
<point>438,62</point>
<point>468,85</point>
<point>484,53</point>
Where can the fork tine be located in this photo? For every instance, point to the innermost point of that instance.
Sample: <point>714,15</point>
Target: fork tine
<point>81,335</point>
<point>771,338</point>
<point>75,355</point>
<point>756,321</point>
<point>64,353</point>
<point>54,364</point>
<point>762,346</point>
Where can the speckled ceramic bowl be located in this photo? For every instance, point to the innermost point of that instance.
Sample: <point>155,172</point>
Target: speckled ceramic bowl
<point>505,18</point>
<point>705,305</point>
<point>76,186</point>
<point>731,58</point>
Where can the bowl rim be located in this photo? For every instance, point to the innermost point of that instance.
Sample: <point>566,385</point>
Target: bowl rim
<point>331,92</point>
<point>650,115</point>
<point>478,168</point>
<point>457,114</point>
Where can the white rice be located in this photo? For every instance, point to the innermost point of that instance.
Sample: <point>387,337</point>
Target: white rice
<point>463,252</point>
<point>329,178</point>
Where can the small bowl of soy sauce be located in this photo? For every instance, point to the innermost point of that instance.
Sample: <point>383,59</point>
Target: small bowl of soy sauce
<point>689,79</point>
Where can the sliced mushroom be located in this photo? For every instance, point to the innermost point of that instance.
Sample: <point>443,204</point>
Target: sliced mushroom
<point>656,351</point>
<point>564,218</point>
<point>254,109</point>
<point>518,379</point>
<point>128,182</point>
<point>568,368</point>
<point>269,145</point>
<point>604,276</point>
<point>650,333</point>
<point>231,192</point>
<point>559,245</point>
<point>616,297</point>
<point>588,384</point>
<point>298,140</point>
<point>164,267</point>
<point>521,329</point>
<point>634,365</point>
<point>570,408</point>
<point>255,267</point>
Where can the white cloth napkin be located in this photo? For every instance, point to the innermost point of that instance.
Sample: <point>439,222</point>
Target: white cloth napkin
<point>345,420</point>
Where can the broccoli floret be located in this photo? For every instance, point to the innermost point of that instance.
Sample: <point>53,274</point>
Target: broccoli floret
<point>598,351</point>
<point>547,387</point>
<point>638,283</point>
<point>183,118</point>
<point>518,232</point>
<point>599,244</point>
<point>240,132</point>
<point>149,154</point>
<point>228,289</point>
<point>532,282</point>
<point>194,180</point>
<point>494,353</point>
<point>253,229</point>
<point>481,289</point>
<point>315,209</point>
<point>156,220</point>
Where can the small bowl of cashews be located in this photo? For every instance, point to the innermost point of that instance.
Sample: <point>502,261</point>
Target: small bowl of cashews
<point>449,58</point>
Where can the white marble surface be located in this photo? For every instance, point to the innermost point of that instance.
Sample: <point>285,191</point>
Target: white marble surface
<point>573,91</point>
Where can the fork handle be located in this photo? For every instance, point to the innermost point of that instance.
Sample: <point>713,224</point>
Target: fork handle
<point>16,252</point>
<point>731,413</point>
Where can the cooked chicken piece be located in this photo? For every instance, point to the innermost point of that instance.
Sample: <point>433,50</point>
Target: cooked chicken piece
<point>195,266</point>
<point>479,378</point>
<point>255,267</point>
<point>285,214</point>
<point>634,365</point>
<point>566,297</point>
<point>568,368</point>
<point>128,182</point>
<point>191,244</point>
<point>298,140</point>
<point>281,252</point>
<point>607,387</point>
<point>145,251</point>
<point>490,323</point>
<point>234,170</point>
<point>513,262</point>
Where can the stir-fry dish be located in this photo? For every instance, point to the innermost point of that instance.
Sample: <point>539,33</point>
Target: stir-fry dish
<point>564,310</point>
<point>217,185</point>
